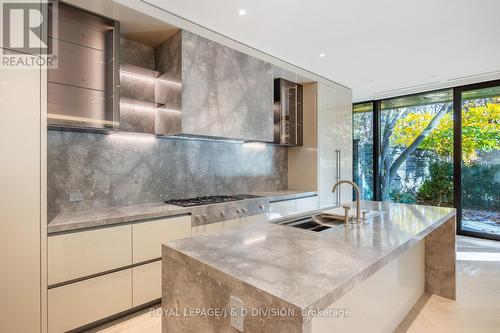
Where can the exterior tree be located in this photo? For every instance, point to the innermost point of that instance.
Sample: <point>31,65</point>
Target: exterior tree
<point>430,127</point>
<point>401,120</point>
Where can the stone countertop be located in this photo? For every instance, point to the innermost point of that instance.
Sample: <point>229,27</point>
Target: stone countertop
<point>112,215</point>
<point>308,269</point>
<point>72,221</point>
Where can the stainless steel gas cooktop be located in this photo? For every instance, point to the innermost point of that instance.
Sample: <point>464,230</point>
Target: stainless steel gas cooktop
<point>199,201</point>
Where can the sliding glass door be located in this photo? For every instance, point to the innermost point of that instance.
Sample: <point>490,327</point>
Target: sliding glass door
<point>439,148</point>
<point>480,162</point>
<point>416,149</point>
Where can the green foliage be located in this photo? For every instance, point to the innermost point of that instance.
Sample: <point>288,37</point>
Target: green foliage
<point>404,197</point>
<point>481,187</point>
<point>437,190</point>
<point>480,130</point>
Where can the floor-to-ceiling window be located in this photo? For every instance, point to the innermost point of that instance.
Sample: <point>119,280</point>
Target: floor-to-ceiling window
<point>363,148</point>
<point>416,149</point>
<point>438,148</point>
<point>480,167</point>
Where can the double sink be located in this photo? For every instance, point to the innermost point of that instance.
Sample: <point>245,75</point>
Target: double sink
<point>320,223</point>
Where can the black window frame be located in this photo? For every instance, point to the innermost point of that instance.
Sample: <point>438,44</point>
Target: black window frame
<point>457,147</point>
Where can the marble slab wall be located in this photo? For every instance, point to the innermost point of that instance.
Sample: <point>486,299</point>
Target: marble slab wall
<point>124,169</point>
<point>225,93</point>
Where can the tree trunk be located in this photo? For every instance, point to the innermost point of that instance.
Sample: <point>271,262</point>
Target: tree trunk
<point>392,170</point>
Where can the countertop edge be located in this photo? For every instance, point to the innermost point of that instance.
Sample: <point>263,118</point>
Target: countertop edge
<point>324,301</point>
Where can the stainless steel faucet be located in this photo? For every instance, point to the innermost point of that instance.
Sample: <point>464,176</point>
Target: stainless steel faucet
<point>356,189</point>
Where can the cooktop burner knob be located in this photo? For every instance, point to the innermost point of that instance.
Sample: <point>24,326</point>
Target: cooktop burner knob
<point>244,210</point>
<point>222,213</point>
<point>205,217</point>
<point>261,206</point>
<point>197,217</point>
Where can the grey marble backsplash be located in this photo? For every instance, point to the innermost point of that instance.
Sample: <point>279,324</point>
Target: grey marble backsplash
<point>124,169</point>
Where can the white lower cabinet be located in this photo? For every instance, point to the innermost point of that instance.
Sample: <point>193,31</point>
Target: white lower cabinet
<point>290,207</point>
<point>304,205</point>
<point>148,236</point>
<point>219,226</point>
<point>80,254</point>
<point>146,285</point>
<point>282,209</point>
<point>84,302</point>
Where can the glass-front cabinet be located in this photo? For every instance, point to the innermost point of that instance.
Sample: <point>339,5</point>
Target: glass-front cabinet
<point>82,87</point>
<point>287,113</point>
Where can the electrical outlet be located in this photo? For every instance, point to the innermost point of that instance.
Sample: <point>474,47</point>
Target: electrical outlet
<point>75,197</point>
<point>236,312</point>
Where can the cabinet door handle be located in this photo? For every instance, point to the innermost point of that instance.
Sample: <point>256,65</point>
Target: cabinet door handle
<point>338,174</point>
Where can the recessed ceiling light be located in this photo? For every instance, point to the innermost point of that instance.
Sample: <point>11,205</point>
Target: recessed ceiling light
<point>242,12</point>
<point>322,55</point>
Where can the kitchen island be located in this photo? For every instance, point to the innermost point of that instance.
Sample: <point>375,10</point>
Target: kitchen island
<point>352,277</point>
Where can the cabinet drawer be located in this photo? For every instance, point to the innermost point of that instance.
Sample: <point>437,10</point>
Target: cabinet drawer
<point>281,209</point>
<point>80,254</point>
<point>306,204</point>
<point>148,236</point>
<point>84,302</point>
<point>146,286</point>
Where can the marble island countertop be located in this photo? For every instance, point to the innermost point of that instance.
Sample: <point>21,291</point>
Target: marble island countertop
<point>71,221</point>
<point>307,269</point>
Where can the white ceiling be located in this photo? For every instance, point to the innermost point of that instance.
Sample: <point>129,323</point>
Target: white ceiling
<point>378,48</point>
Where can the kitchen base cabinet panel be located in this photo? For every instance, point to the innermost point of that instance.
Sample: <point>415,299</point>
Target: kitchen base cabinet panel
<point>146,285</point>
<point>304,205</point>
<point>281,209</point>
<point>80,254</point>
<point>148,236</point>
<point>84,302</point>
<point>229,224</point>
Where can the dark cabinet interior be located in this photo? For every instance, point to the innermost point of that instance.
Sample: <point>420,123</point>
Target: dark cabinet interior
<point>287,113</point>
<point>82,87</point>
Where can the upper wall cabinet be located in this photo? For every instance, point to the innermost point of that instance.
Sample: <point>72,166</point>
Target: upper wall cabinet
<point>287,113</point>
<point>82,88</point>
<point>191,86</point>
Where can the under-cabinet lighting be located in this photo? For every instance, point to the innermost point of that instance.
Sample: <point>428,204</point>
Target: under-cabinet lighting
<point>255,145</point>
<point>130,136</point>
<point>322,55</point>
<point>149,78</point>
<point>138,76</point>
<point>168,110</point>
<point>138,107</point>
<point>242,12</point>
